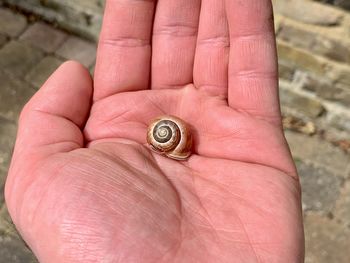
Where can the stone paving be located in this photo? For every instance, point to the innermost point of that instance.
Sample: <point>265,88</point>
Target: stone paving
<point>30,50</point>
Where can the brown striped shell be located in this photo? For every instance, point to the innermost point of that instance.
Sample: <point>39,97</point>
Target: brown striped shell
<point>170,136</point>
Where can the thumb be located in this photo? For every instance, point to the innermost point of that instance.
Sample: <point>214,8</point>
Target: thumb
<point>52,121</point>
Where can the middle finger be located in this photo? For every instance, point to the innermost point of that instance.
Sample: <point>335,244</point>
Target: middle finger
<point>174,42</point>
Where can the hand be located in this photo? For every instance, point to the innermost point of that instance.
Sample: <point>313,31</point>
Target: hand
<point>83,187</point>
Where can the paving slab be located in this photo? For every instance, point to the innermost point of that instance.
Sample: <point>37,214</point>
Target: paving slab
<point>12,247</point>
<point>84,17</point>
<point>44,36</point>
<point>11,24</point>
<point>3,174</point>
<point>3,39</point>
<point>286,70</point>
<point>14,94</point>
<point>342,211</point>
<point>78,49</point>
<point>319,152</point>
<point>7,138</point>
<point>7,228</point>
<point>320,188</point>
<point>326,241</point>
<point>40,73</point>
<point>18,58</point>
<point>308,12</point>
<point>340,3</point>
<point>309,107</point>
<point>12,250</point>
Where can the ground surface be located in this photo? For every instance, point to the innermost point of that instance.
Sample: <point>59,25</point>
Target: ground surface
<point>31,49</point>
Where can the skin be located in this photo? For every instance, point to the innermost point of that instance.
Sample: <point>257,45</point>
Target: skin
<point>84,187</point>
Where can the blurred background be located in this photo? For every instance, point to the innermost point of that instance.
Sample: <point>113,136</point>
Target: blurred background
<point>314,59</point>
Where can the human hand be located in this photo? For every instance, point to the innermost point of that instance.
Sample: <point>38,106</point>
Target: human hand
<point>83,187</point>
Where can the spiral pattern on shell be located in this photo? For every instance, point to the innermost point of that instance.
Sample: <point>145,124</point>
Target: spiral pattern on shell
<point>170,136</point>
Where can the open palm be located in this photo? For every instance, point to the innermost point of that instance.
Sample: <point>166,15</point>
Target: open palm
<point>84,187</point>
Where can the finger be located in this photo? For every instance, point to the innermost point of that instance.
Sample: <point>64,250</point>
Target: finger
<point>253,78</point>
<point>174,42</point>
<point>50,123</point>
<point>52,120</point>
<point>124,52</point>
<point>211,60</point>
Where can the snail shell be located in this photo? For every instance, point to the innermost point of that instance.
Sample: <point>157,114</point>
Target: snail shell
<point>170,136</point>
